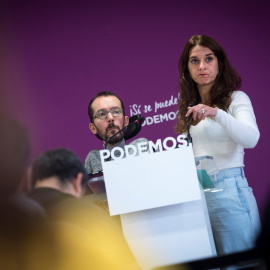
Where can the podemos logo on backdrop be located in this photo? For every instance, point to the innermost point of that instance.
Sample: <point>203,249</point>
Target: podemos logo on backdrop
<point>155,117</point>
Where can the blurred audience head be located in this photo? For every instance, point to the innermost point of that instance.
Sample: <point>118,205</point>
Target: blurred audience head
<point>61,169</point>
<point>14,156</point>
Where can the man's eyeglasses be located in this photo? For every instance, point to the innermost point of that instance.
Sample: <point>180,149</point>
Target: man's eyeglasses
<point>102,114</point>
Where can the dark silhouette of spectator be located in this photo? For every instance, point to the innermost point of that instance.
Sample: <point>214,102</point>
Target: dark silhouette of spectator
<point>20,216</point>
<point>262,244</point>
<point>15,176</point>
<point>58,175</point>
<point>59,179</point>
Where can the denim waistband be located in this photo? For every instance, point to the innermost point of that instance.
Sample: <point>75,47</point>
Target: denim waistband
<point>228,173</point>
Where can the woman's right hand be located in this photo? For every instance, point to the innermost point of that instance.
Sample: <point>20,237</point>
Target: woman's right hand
<point>201,111</point>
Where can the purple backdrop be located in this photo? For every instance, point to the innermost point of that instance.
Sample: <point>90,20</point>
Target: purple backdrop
<point>55,57</point>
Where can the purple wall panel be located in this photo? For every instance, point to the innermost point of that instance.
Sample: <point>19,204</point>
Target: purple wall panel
<point>57,56</point>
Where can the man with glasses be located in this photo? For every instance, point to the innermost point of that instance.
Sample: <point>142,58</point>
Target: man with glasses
<point>107,116</point>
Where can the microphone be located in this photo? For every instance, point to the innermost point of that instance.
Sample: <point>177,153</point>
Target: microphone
<point>139,120</point>
<point>189,138</point>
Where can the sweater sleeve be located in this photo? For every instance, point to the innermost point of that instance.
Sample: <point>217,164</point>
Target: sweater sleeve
<point>239,121</point>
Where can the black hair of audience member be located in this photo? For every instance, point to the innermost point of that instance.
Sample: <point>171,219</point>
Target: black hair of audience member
<point>61,163</point>
<point>14,156</point>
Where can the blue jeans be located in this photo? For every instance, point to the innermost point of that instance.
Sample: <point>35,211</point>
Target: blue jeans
<point>233,212</point>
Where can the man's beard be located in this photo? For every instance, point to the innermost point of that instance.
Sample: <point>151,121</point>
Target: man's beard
<point>116,139</point>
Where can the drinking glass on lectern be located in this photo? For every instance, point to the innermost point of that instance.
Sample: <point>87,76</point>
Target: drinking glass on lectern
<point>97,185</point>
<point>207,171</point>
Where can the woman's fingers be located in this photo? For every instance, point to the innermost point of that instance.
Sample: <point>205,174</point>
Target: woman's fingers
<point>201,111</point>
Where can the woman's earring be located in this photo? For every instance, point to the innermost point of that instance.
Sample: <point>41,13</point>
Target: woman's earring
<point>218,72</point>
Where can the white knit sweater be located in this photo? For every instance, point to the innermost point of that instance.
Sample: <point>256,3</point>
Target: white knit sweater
<point>226,136</point>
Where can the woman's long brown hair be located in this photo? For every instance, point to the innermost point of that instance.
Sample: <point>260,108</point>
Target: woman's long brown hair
<point>227,81</point>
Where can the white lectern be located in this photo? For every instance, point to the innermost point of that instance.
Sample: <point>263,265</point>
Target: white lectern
<point>163,211</point>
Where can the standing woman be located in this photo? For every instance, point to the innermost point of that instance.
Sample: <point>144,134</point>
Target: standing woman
<point>222,125</point>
